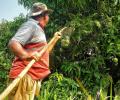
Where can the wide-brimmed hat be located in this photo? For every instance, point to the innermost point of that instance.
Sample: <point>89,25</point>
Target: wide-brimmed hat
<point>39,8</point>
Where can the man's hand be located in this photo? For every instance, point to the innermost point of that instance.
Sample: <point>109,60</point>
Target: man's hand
<point>57,34</point>
<point>33,55</point>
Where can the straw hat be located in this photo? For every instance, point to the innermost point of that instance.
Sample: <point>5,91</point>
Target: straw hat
<point>39,8</point>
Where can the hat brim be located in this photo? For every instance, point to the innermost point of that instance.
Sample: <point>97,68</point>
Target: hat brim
<point>48,11</point>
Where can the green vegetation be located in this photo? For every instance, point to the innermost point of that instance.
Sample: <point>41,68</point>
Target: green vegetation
<point>80,63</point>
<point>7,29</point>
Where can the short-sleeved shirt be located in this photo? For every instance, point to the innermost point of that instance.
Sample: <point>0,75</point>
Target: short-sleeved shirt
<point>32,37</point>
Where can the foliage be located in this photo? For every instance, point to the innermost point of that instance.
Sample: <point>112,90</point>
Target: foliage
<point>60,88</point>
<point>7,29</point>
<point>94,42</point>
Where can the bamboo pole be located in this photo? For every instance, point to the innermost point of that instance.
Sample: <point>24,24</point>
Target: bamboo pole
<point>20,76</point>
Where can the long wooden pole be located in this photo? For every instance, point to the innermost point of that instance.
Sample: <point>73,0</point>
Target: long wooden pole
<point>16,81</point>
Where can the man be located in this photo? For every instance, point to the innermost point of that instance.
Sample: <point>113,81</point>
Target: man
<point>25,44</point>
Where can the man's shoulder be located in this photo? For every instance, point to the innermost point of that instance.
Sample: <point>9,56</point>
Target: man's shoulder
<point>31,22</point>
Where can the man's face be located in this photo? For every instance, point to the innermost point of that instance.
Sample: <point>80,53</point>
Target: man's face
<point>46,19</point>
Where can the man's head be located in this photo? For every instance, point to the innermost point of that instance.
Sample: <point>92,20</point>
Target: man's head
<point>40,12</point>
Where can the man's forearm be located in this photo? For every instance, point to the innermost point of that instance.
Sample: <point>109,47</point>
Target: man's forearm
<point>17,49</point>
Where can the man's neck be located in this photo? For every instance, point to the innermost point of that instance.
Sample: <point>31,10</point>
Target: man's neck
<point>41,24</point>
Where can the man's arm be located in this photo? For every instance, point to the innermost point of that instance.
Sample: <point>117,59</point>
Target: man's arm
<point>19,51</point>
